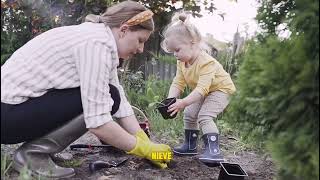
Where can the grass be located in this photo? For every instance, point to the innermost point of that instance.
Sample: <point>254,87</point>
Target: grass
<point>6,168</point>
<point>25,175</point>
<point>169,130</point>
<point>73,163</point>
<point>241,143</point>
<point>5,165</point>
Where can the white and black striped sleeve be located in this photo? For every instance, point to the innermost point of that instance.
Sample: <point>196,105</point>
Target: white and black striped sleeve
<point>93,61</point>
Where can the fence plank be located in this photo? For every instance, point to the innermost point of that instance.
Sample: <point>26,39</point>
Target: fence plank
<point>160,69</point>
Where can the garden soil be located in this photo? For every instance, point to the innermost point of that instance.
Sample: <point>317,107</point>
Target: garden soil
<point>257,166</point>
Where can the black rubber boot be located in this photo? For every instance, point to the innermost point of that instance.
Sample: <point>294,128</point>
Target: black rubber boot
<point>36,155</point>
<point>212,154</point>
<point>189,147</point>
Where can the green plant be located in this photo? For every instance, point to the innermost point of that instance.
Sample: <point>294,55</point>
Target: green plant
<point>15,30</point>
<point>144,94</point>
<point>277,102</point>
<point>73,163</point>
<point>157,90</point>
<point>25,174</point>
<point>150,94</point>
<point>170,130</point>
<point>132,81</point>
<point>5,165</point>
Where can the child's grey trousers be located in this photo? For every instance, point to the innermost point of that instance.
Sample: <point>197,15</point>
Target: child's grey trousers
<point>202,113</point>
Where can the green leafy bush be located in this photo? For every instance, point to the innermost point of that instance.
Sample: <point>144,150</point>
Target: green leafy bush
<point>15,31</point>
<point>277,101</point>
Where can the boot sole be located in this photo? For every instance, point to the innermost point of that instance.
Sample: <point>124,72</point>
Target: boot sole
<point>186,154</point>
<point>18,167</point>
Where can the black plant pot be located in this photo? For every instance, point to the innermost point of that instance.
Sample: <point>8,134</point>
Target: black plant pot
<point>231,171</point>
<point>163,108</point>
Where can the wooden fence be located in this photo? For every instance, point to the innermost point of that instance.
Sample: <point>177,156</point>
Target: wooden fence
<point>160,69</point>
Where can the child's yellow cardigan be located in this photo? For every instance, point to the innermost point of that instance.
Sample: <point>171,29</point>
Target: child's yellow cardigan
<point>205,75</point>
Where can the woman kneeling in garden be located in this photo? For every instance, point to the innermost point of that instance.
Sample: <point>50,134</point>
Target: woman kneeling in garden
<point>64,82</point>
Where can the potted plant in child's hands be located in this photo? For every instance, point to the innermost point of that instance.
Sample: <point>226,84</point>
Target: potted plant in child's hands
<point>163,107</point>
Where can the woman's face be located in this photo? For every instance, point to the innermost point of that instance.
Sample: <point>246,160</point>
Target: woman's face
<point>131,42</point>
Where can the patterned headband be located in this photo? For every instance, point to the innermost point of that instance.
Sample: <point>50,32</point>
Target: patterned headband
<point>139,18</point>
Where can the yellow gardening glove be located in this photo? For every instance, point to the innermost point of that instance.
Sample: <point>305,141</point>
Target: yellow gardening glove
<point>145,149</point>
<point>141,134</point>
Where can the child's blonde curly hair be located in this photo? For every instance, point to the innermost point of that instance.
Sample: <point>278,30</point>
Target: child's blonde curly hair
<point>181,28</point>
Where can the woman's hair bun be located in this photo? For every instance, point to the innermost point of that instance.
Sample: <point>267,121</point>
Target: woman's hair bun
<point>182,17</point>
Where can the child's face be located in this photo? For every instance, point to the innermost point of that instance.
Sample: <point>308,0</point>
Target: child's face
<point>131,42</point>
<point>181,49</point>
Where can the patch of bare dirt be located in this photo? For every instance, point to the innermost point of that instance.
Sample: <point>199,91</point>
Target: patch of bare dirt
<point>256,165</point>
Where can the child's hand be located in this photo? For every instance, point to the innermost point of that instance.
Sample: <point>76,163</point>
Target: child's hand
<point>177,106</point>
